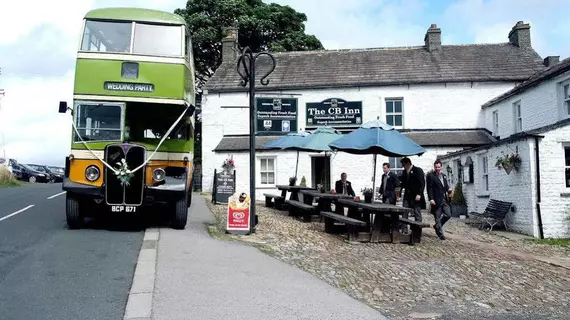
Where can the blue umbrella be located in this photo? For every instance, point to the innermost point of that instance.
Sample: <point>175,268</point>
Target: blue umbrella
<point>288,142</point>
<point>376,137</point>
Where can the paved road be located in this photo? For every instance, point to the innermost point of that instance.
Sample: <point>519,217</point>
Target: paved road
<point>49,272</point>
<point>202,278</point>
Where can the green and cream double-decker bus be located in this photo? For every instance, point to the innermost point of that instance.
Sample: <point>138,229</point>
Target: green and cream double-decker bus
<point>133,117</point>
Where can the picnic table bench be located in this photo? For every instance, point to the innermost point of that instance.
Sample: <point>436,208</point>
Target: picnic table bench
<point>298,208</point>
<point>353,226</point>
<point>495,212</point>
<point>277,201</point>
<point>416,229</point>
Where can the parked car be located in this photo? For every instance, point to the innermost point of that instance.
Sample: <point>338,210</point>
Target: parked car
<point>52,176</point>
<point>58,171</point>
<point>30,174</point>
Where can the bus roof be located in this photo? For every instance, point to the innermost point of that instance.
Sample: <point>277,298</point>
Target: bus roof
<point>135,14</point>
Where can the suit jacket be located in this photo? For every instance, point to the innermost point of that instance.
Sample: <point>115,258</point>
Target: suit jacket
<point>392,182</point>
<point>435,189</point>
<point>414,183</point>
<point>349,191</point>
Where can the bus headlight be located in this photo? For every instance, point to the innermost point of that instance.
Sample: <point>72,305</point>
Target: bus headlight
<point>92,173</point>
<point>158,174</point>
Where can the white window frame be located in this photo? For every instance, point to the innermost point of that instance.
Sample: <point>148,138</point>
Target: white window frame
<point>566,166</point>
<point>565,98</point>
<point>496,123</point>
<point>396,165</point>
<point>485,173</point>
<point>260,159</point>
<point>394,113</point>
<point>517,114</point>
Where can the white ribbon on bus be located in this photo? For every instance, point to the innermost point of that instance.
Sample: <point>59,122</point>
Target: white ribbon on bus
<point>116,171</point>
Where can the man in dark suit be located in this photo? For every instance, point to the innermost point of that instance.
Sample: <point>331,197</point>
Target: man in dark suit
<point>389,184</point>
<point>344,186</point>
<point>438,191</point>
<point>414,182</point>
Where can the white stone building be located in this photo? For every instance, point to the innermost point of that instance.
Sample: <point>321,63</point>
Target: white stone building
<point>533,120</point>
<point>433,93</point>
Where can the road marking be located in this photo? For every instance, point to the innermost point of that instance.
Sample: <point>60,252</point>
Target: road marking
<point>55,195</point>
<point>15,213</point>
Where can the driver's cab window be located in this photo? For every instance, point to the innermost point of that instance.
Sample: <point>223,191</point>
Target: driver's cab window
<point>98,122</point>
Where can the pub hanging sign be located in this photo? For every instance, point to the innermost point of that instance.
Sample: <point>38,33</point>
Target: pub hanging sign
<point>275,116</point>
<point>334,112</point>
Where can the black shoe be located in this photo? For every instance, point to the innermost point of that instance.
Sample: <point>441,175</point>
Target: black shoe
<point>441,238</point>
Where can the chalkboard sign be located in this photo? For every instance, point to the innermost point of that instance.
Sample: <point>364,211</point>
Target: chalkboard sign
<point>224,186</point>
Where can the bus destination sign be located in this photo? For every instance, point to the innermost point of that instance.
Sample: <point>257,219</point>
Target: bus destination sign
<point>127,86</point>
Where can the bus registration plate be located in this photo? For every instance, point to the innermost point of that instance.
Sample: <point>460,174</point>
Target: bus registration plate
<point>123,209</point>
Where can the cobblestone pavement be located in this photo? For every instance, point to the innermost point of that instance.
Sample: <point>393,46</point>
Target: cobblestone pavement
<point>436,279</point>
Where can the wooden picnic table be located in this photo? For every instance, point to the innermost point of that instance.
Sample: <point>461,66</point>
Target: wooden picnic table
<point>294,191</point>
<point>385,227</point>
<point>325,199</point>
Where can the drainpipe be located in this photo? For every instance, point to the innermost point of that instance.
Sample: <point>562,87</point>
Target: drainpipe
<point>538,196</point>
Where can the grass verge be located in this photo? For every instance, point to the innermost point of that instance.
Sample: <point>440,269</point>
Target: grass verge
<point>7,179</point>
<point>564,242</point>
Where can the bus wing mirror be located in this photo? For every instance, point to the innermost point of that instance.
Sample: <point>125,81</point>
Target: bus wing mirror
<point>62,106</point>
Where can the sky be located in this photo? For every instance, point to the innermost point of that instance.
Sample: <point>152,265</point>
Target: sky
<point>39,40</point>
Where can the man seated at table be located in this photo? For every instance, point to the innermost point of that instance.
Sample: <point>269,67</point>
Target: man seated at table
<point>344,186</point>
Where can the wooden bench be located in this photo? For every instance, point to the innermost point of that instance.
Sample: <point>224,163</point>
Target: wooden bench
<point>495,212</point>
<point>352,226</point>
<point>416,229</point>
<point>298,208</point>
<point>277,200</point>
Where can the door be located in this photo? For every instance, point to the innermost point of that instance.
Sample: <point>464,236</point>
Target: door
<point>321,172</point>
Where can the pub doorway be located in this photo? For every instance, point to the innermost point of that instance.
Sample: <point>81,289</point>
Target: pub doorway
<point>321,171</point>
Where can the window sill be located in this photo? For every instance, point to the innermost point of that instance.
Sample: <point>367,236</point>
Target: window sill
<point>487,195</point>
<point>266,186</point>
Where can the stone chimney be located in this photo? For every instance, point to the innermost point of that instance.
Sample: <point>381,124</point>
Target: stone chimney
<point>433,38</point>
<point>520,35</point>
<point>230,45</point>
<point>551,60</point>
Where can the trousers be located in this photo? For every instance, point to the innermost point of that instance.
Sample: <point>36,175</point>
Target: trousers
<point>417,213</point>
<point>441,215</point>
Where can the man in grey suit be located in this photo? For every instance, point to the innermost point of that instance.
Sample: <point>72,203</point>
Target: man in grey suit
<point>389,184</point>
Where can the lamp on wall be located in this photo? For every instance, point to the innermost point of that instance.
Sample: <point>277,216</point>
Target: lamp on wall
<point>448,169</point>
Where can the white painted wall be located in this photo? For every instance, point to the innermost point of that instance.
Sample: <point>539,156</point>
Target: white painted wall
<point>540,106</point>
<point>424,106</point>
<point>520,187</point>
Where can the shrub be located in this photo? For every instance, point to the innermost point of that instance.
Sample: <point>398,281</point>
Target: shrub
<point>458,199</point>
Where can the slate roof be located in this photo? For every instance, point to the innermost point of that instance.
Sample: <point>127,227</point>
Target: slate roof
<point>535,80</point>
<point>423,137</point>
<point>385,66</point>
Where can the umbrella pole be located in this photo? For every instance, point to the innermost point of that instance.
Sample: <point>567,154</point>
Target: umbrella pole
<point>297,165</point>
<point>374,179</point>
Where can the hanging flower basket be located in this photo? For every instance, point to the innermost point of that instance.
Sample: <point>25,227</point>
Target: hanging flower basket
<point>228,164</point>
<point>509,162</point>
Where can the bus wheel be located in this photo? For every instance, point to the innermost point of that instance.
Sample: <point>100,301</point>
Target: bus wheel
<point>72,212</point>
<point>180,214</point>
<point>189,199</point>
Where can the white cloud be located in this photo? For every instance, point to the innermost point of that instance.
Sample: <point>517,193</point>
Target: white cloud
<point>38,55</point>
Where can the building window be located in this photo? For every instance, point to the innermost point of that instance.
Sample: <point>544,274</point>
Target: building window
<point>396,165</point>
<point>496,123</point>
<point>394,112</point>
<point>267,171</point>
<point>518,116</point>
<point>566,98</point>
<point>485,162</point>
<point>567,165</point>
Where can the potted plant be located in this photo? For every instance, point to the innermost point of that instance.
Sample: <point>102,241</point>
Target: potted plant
<point>303,182</point>
<point>292,181</point>
<point>367,193</point>
<point>458,203</point>
<point>508,162</point>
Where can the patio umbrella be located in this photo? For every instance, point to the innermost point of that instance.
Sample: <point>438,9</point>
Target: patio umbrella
<point>288,141</point>
<point>376,137</point>
<point>318,141</point>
